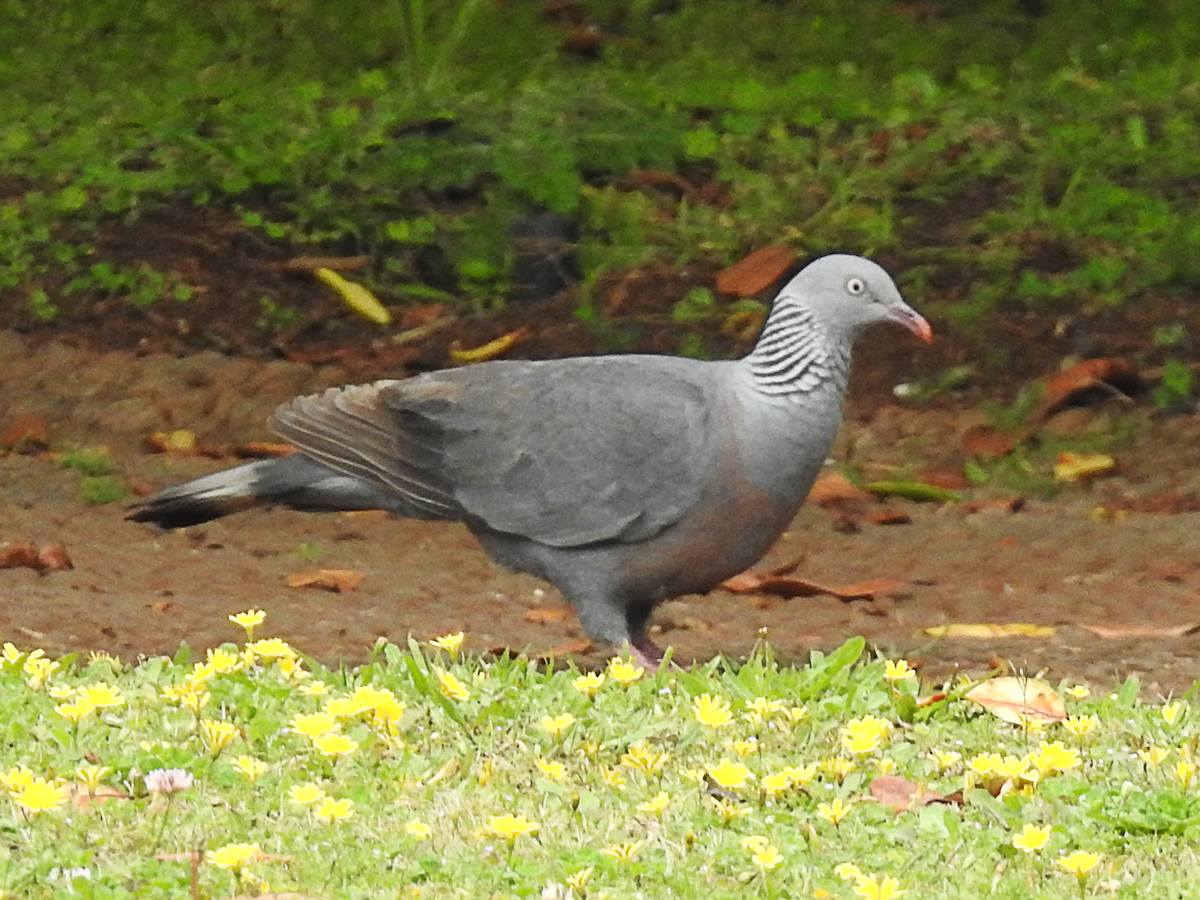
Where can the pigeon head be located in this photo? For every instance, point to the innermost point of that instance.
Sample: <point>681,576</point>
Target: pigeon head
<point>849,293</point>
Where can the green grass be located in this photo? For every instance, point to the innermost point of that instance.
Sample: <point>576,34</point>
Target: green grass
<point>439,746</point>
<point>1010,161</point>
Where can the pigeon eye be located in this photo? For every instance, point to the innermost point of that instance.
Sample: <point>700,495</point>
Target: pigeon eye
<point>855,286</point>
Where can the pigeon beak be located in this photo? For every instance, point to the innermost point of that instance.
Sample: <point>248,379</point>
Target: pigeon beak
<point>905,315</point>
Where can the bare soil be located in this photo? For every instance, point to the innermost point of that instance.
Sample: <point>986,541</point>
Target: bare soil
<point>111,378</point>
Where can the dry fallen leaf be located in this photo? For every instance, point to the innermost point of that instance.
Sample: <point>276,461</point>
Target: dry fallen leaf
<point>337,580</point>
<point>28,434</point>
<point>986,442</point>
<point>1017,700</point>
<point>1106,373</point>
<point>181,440</point>
<point>47,558</point>
<point>756,272</point>
<point>989,630</point>
<point>542,615</point>
<point>901,794</point>
<point>1081,466</point>
<point>788,586</point>
<point>1117,632</point>
<point>490,350</point>
<point>81,798</point>
<point>355,296</point>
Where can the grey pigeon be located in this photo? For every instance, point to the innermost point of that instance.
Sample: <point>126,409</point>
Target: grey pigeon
<point>622,480</point>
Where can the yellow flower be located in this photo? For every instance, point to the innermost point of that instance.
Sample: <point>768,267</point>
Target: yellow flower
<point>885,765</point>
<point>728,774</point>
<point>249,620</point>
<point>776,783</point>
<point>10,655</point>
<point>1079,691</point>
<point>452,687</point>
<point>100,696</point>
<point>712,712</point>
<point>417,829</point>
<point>1014,768</point>
<point>743,748</point>
<point>642,758</point>
<point>802,775</point>
<point>201,674</point>
<point>1032,837</point>
<point>837,768</point>
<point>314,689</point>
<point>1081,726</point>
<point>334,745</point>
<point>588,684</point>
<point>292,669</point>
<point>39,795</point>
<point>797,714</point>
<point>555,771</point>
<point>451,643</point>
<point>1055,758</point>
<point>233,856</point>
<point>655,806</point>
<point>1154,755</point>
<point>848,871</point>
<point>91,775</point>
<point>305,794</point>
<point>61,692</point>
<point>623,852</point>
<point>897,670</point>
<point>314,725</point>
<point>271,648</point>
<point>985,763</point>
<point>579,880</point>
<point>869,887</point>
<point>556,726</point>
<point>217,735</point>
<point>729,810</point>
<point>864,735</point>
<point>330,810</point>
<point>487,768</point>
<point>103,656</point>
<point>510,827</point>
<point>1184,770</point>
<point>250,767</point>
<point>834,812</point>
<point>73,711</point>
<point>624,672</point>
<point>766,856</point>
<point>763,707</point>
<point>1078,863</point>
<point>223,662</point>
<point>613,778</point>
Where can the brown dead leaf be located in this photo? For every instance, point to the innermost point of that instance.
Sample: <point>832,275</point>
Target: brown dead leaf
<point>1118,632</point>
<point>24,555</point>
<point>162,606</point>
<point>1083,466</point>
<point>81,798</point>
<point>181,440</point>
<point>986,442</point>
<point>834,489</point>
<point>1107,374</point>
<point>263,450</point>
<point>544,615</point>
<point>756,272</point>
<point>946,479</point>
<point>491,349</point>
<point>574,647</point>
<point>1016,700</point>
<point>901,794</point>
<point>888,516</point>
<point>988,630</point>
<point>337,580</point>
<point>28,434</point>
<point>337,263</point>
<point>788,586</point>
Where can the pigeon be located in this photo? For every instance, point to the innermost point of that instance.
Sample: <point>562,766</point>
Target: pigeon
<point>623,480</point>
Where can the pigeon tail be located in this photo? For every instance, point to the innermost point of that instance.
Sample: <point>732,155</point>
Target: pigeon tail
<point>293,481</point>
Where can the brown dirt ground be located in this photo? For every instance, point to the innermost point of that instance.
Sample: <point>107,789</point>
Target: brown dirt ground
<point>115,377</point>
